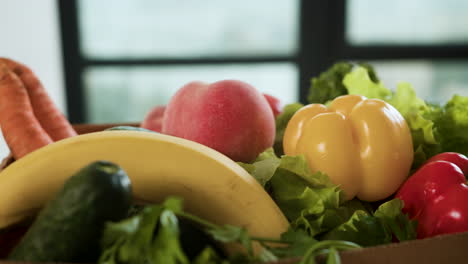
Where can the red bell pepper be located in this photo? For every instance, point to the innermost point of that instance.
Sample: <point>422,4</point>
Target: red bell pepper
<point>437,195</point>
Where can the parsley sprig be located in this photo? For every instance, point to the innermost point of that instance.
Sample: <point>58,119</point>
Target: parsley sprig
<point>152,236</point>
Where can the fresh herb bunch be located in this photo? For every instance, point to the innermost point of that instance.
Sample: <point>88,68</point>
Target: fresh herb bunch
<point>153,236</point>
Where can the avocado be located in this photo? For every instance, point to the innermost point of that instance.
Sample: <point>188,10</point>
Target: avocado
<point>70,226</point>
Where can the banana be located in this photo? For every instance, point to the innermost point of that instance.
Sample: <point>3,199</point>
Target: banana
<point>213,186</point>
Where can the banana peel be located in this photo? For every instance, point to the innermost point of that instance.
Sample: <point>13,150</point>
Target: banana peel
<point>213,186</point>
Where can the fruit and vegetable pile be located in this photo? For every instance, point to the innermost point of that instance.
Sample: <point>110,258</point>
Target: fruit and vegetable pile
<point>226,174</point>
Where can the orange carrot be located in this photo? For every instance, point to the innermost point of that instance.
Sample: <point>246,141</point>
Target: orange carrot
<point>49,116</point>
<point>21,130</point>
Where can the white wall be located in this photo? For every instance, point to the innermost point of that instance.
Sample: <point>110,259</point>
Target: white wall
<point>30,34</point>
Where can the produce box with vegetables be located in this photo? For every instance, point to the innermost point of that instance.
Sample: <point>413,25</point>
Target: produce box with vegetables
<point>226,174</point>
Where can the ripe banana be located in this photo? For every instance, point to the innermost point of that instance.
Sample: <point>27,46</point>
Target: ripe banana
<point>213,186</point>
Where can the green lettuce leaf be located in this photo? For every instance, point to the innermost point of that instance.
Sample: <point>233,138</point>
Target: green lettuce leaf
<point>329,84</point>
<point>396,223</point>
<point>415,111</point>
<point>359,82</point>
<point>313,204</point>
<point>263,168</point>
<point>381,227</point>
<point>362,228</point>
<point>298,166</point>
<point>309,200</point>
<point>451,124</point>
<point>406,101</point>
<point>281,123</point>
<point>303,205</point>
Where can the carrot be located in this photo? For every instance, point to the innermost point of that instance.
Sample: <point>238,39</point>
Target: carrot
<point>21,130</point>
<point>46,112</point>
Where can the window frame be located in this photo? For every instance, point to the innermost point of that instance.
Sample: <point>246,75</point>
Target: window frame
<point>313,55</point>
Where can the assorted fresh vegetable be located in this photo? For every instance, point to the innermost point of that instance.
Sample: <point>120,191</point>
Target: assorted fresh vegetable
<point>318,207</point>
<point>434,130</point>
<point>363,145</point>
<point>360,166</point>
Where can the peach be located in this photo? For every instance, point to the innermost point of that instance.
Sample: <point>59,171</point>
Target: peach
<point>274,103</point>
<point>153,119</point>
<point>229,116</point>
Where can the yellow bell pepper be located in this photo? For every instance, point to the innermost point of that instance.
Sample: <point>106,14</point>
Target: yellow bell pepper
<point>364,145</point>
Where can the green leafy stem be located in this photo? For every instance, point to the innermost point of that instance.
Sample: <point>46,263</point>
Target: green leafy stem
<point>229,233</point>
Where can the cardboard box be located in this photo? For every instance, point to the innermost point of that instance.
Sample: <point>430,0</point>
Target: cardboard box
<point>437,250</point>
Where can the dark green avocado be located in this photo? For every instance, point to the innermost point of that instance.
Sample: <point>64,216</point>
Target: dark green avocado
<point>69,227</point>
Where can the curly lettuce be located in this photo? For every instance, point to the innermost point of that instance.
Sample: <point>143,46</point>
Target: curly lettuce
<point>314,204</point>
<point>328,85</point>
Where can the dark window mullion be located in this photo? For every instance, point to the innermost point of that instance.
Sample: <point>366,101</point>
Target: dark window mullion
<point>72,61</point>
<point>321,35</point>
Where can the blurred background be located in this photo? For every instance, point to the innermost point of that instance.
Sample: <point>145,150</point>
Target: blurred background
<point>112,60</point>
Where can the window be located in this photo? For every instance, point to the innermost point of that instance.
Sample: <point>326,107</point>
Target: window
<point>400,22</point>
<point>126,93</point>
<point>122,57</point>
<point>424,42</point>
<point>132,55</point>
